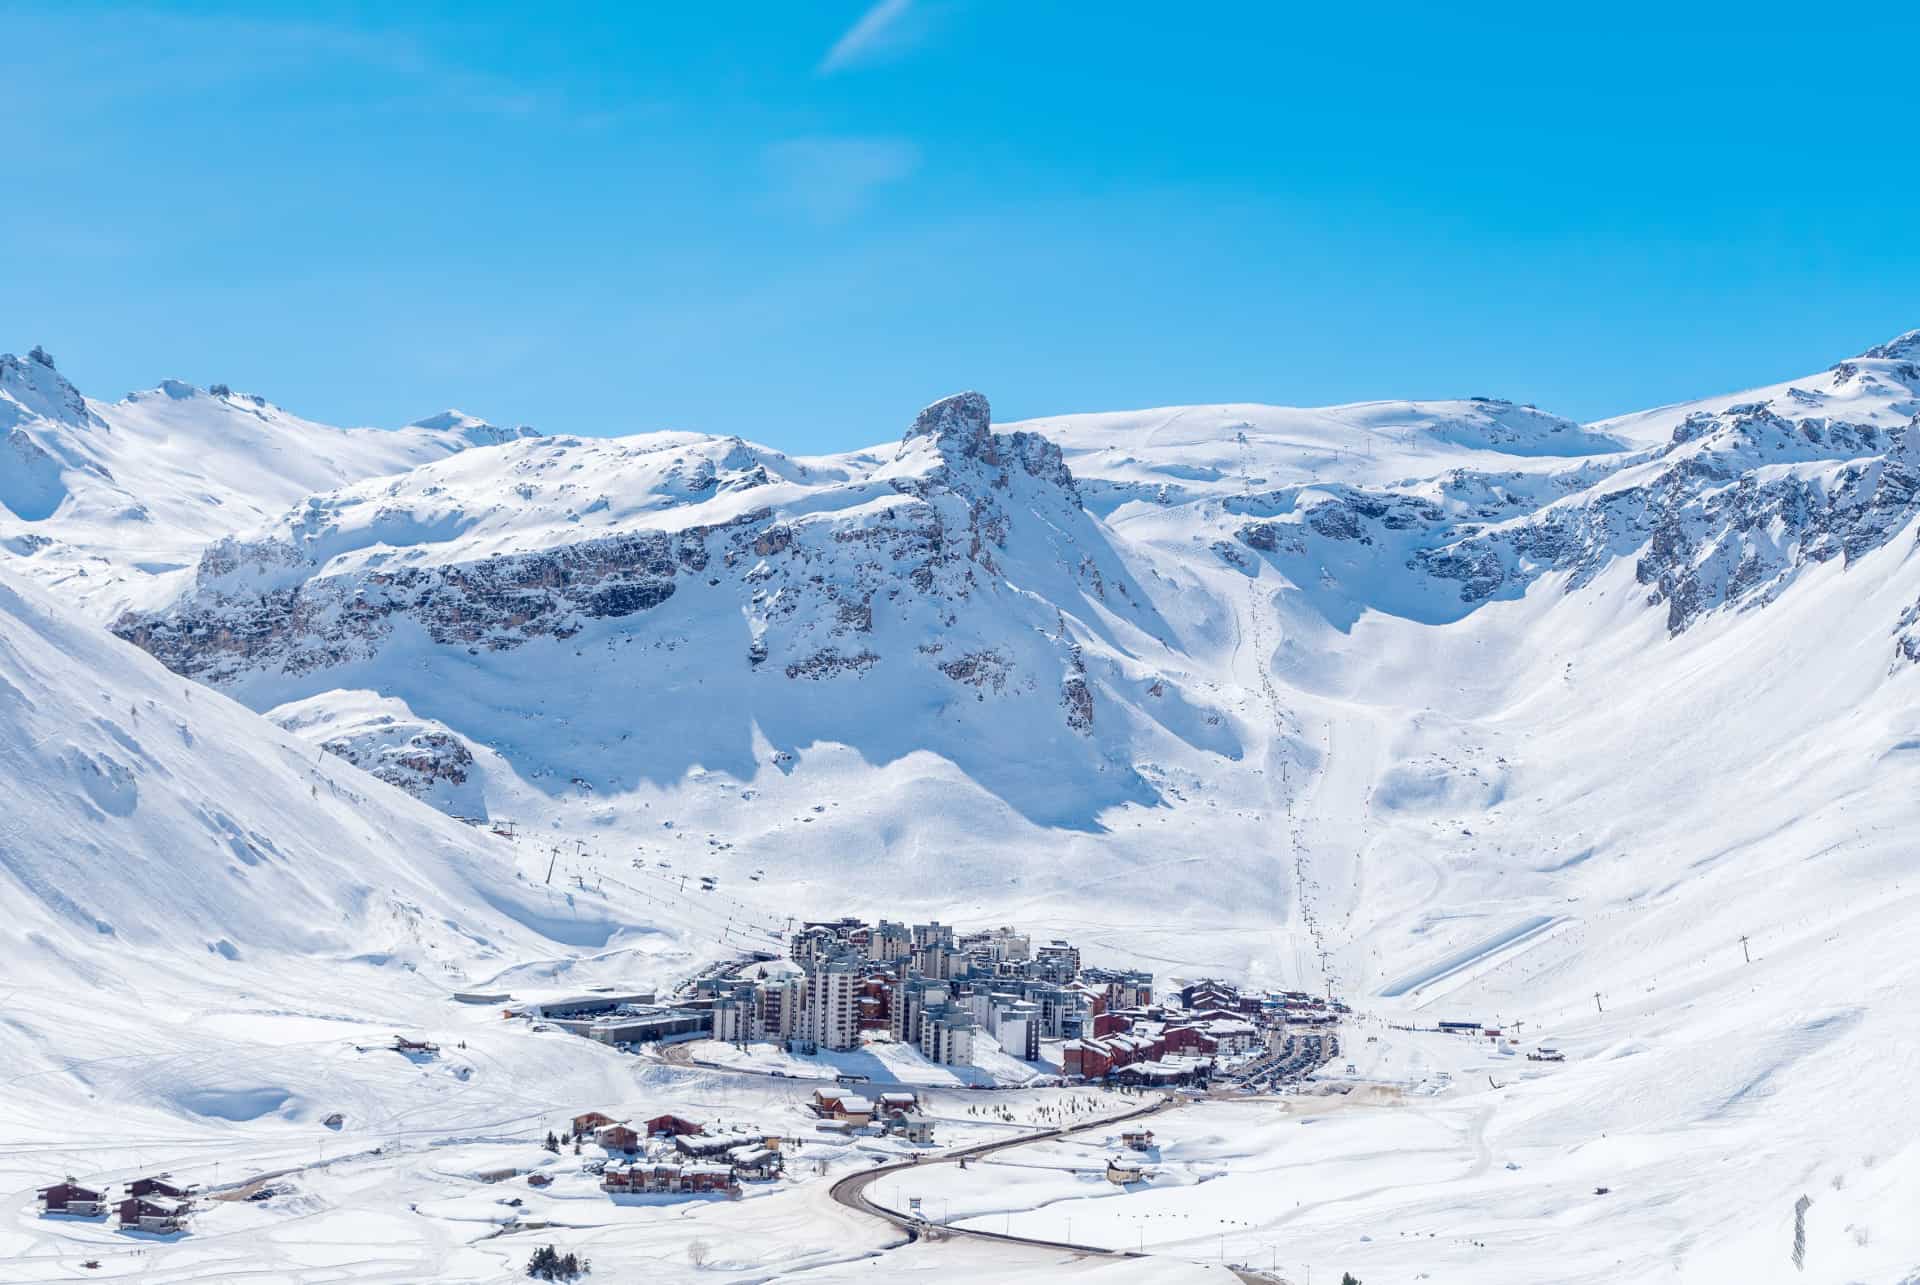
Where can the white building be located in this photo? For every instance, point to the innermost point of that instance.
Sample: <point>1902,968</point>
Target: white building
<point>946,1036</point>
<point>1235,1038</point>
<point>833,1020</point>
<point>736,1019</point>
<point>910,1002</point>
<point>1016,1024</point>
<point>782,1008</point>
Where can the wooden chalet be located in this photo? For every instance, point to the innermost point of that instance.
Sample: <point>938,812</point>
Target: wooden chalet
<point>587,1123</point>
<point>705,1146</point>
<point>749,1161</point>
<point>618,1137</point>
<point>850,1107</point>
<point>159,1185</point>
<point>71,1198</point>
<point>154,1215</point>
<point>673,1126</point>
<point>666,1179</point>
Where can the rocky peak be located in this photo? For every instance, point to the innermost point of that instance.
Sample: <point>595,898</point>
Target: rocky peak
<point>31,388</point>
<point>960,430</point>
<point>1900,348</point>
<point>959,425</point>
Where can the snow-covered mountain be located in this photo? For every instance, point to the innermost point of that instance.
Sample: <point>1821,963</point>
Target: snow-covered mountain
<point>152,820</point>
<point>1460,707</point>
<point>104,499</point>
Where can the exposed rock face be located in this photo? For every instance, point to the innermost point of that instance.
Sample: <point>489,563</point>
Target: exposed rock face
<point>831,584</point>
<point>960,574</point>
<point>385,739</point>
<point>1728,513</point>
<point>321,620</point>
<point>415,765</point>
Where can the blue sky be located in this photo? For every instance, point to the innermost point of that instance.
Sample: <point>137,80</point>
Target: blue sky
<point>802,222</point>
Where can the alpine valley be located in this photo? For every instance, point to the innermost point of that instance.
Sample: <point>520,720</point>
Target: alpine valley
<point>1606,733</point>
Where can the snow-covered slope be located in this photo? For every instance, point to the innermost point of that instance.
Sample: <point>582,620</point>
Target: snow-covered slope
<point>102,498</point>
<point>955,583</point>
<point>151,820</point>
<point>1457,707</point>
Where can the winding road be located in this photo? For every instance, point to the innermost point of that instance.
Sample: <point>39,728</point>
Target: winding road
<point>851,1191</point>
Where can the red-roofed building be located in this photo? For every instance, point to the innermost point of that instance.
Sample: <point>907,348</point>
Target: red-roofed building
<point>1087,1059</point>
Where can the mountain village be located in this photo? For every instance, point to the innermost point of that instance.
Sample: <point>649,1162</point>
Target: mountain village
<point>1181,841</point>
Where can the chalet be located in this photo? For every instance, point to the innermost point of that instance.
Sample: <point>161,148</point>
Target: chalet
<point>583,1125</point>
<point>1122,1172</point>
<point>618,1137</point>
<point>539,1180</point>
<point>891,1102</point>
<point>158,1185</point>
<point>704,1146</point>
<point>669,1180</point>
<point>1137,1139</point>
<point>70,1197</point>
<point>153,1215</point>
<point>754,1162</point>
<point>672,1126</point>
<point>401,1044</point>
<point>836,1105</point>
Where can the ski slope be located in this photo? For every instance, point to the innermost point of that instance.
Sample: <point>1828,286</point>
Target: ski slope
<point>1458,709</point>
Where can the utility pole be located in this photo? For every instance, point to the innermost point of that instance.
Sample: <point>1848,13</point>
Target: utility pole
<point>1596,1002</point>
<point>1743,948</point>
<point>550,861</point>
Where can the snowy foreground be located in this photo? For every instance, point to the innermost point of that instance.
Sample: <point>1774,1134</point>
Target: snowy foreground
<point>1605,734</point>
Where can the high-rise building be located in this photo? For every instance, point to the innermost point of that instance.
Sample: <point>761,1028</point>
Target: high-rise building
<point>782,1005</point>
<point>890,941</point>
<point>1015,1023</point>
<point>946,1035</point>
<point>909,1003</point>
<point>735,1020</point>
<point>833,1015</point>
<point>1058,962</point>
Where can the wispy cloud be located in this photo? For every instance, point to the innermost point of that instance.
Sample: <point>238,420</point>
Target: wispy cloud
<point>831,179</point>
<point>887,27</point>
